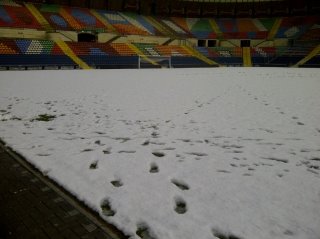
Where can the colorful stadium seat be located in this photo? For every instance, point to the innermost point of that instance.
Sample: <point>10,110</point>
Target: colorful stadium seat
<point>17,17</point>
<point>39,15</point>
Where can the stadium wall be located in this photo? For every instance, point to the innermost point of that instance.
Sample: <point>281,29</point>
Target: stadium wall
<point>108,37</point>
<point>22,33</point>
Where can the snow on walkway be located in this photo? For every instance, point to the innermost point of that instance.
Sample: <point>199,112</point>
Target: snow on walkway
<point>177,153</point>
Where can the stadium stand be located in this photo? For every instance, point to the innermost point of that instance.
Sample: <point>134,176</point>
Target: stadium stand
<point>294,27</point>
<point>278,56</point>
<point>190,34</point>
<point>125,24</point>
<point>17,16</point>
<point>313,62</point>
<point>32,53</point>
<point>70,18</point>
<point>231,56</point>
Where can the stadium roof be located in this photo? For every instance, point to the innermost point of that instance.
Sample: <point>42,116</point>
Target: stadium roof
<point>232,1</point>
<point>201,8</point>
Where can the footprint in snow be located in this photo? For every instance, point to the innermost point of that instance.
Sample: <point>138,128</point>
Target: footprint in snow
<point>199,154</point>
<point>87,150</point>
<point>223,171</point>
<point>117,183</point>
<point>185,140</point>
<point>312,171</point>
<point>155,134</point>
<point>106,208</point>
<point>276,159</point>
<point>288,232</point>
<point>98,142</point>
<point>127,151</point>
<point>154,168</point>
<point>158,154</point>
<point>169,148</point>
<point>315,159</point>
<point>180,156</point>
<point>145,143</point>
<point>180,205</point>
<point>107,151</point>
<point>235,151</point>
<point>94,165</point>
<point>218,234</point>
<point>122,139</point>
<point>43,154</point>
<point>157,143</point>
<point>180,184</point>
<point>144,232</point>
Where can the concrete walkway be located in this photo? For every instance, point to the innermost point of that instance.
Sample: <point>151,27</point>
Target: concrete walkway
<point>31,206</point>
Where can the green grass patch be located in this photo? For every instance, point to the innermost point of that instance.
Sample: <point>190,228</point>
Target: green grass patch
<point>45,117</point>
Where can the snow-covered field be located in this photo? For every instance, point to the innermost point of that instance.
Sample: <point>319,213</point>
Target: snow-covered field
<point>177,153</point>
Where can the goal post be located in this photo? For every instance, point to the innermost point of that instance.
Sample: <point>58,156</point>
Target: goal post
<point>154,62</point>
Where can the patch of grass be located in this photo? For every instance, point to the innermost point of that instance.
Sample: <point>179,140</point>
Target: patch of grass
<point>45,117</point>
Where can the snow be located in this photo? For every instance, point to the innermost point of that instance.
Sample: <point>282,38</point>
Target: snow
<point>177,153</point>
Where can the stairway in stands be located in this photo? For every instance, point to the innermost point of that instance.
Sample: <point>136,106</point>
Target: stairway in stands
<point>72,22</point>
<point>103,20</point>
<point>200,56</point>
<point>67,50</point>
<point>246,56</point>
<point>161,28</point>
<point>141,54</point>
<point>312,54</point>
<point>44,23</point>
<point>274,29</point>
<point>215,27</point>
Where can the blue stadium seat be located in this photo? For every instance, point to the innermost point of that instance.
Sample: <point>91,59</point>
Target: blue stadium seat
<point>4,16</point>
<point>229,61</point>
<point>35,60</point>
<point>111,62</point>
<point>23,45</point>
<point>97,51</point>
<point>313,62</point>
<point>59,21</point>
<point>184,61</point>
<point>83,17</point>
